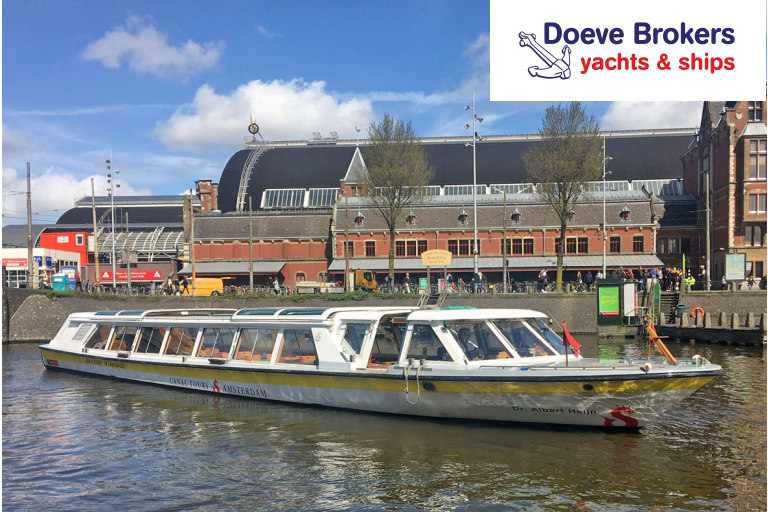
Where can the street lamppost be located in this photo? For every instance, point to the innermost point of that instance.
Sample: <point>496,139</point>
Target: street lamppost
<point>111,190</point>
<point>605,173</point>
<point>475,138</point>
<point>504,242</point>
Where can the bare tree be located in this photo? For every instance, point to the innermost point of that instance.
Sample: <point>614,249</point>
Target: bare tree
<point>398,173</point>
<point>567,158</point>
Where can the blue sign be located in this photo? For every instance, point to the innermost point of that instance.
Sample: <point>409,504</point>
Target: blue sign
<point>48,261</point>
<point>38,260</point>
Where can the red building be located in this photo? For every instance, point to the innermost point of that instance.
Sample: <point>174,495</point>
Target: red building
<point>727,158</point>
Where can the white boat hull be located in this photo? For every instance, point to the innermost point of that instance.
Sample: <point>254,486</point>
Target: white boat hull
<point>568,399</point>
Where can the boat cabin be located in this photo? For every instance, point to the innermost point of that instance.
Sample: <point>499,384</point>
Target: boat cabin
<point>330,339</point>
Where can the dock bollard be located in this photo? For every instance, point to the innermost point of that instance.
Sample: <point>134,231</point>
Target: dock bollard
<point>751,319</point>
<point>763,322</point>
<point>662,319</point>
<point>707,321</point>
<point>735,322</point>
<point>723,319</point>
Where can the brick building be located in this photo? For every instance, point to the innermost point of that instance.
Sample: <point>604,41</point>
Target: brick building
<point>301,217</point>
<point>728,158</point>
<point>300,221</point>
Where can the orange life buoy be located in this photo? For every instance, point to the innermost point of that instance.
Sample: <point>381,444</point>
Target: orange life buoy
<point>693,312</point>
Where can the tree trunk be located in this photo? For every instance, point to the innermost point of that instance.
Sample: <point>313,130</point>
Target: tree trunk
<point>392,251</point>
<point>560,253</point>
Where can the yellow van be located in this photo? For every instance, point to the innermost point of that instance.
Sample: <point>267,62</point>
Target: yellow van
<point>206,286</point>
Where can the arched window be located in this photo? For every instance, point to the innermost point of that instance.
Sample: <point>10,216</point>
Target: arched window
<point>410,219</point>
<point>624,214</point>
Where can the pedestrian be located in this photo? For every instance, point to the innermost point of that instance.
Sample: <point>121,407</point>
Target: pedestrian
<point>750,280</point>
<point>703,277</point>
<point>184,285</point>
<point>483,282</point>
<point>724,283</point>
<point>78,281</point>
<point>276,286</point>
<point>407,283</point>
<point>599,275</point>
<point>462,286</point>
<point>588,280</point>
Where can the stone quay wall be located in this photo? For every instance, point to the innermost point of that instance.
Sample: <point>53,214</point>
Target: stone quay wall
<point>33,316</point>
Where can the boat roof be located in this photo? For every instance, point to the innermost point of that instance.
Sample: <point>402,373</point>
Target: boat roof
<point>320,313</point>
<point>315,313</point>
<point>427,315</point>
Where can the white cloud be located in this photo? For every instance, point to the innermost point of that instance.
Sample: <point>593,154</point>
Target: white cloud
<point>480,51</point>
<point>284,110</point>
<point>86,111</point>
<point>148,51</point>
<point>53,193</point>
<point>14,143</point>
<point>638,115</point>
<point>267,33</point>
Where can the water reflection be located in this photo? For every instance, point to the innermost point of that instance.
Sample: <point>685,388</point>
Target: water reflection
<point>71,442</point>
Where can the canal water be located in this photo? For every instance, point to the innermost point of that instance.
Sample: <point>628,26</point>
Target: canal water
<point>73,442</point>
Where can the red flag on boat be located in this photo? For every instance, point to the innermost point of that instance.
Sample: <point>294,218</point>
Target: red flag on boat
<point>569,341</point>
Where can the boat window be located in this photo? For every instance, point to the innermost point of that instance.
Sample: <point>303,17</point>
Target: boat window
<point>150,340</point>
<point>216,342</point>
<point>477,340</point>
<point>181,341</point>
<point>426,345</point>
<point>386,344</point>
<point>552,337</point>
<point>526,343</point>
<point>354,335</point>
<point>81,332</point>
<point>99,338</point>
<point>256,345</point>
<point>122,339</point>
<point>298,347</point>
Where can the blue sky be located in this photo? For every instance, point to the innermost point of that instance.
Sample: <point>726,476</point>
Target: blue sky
<point>169,86</point>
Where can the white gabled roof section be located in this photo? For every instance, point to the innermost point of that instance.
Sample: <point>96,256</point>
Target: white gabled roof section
<point>754,129</point>
<point>356,168</point>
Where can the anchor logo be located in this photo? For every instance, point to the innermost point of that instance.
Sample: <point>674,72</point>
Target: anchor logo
<point>556,68</point>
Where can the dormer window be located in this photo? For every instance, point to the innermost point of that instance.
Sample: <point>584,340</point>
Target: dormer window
<point>463,217</point>
<point>516,216</point>
<point>624,214</point>
<point>410,219</point>
<point>571,215</point>
<point>360,219</point>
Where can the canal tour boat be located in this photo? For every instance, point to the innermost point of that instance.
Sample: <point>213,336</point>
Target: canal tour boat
<point>465,363</point>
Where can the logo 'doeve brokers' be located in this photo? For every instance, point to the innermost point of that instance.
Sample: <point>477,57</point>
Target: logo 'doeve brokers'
<point>556,68</point>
